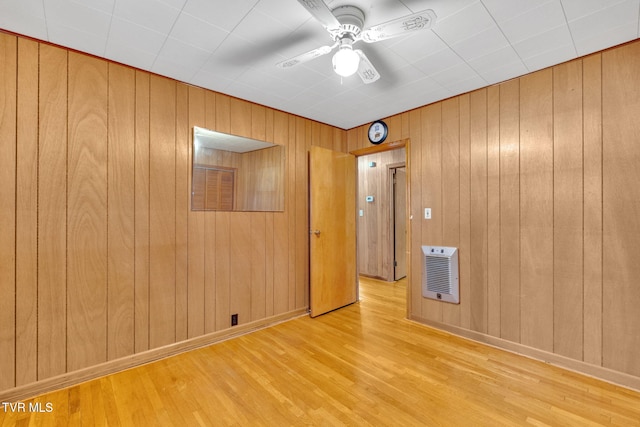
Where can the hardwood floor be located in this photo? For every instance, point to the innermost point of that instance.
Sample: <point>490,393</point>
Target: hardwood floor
<point>361,365</point>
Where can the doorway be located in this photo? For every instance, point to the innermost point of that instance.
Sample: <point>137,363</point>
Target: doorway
<point>382,219</point>
<point>319,283</point>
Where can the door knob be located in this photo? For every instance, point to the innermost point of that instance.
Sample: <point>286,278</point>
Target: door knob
<point>316,232</point>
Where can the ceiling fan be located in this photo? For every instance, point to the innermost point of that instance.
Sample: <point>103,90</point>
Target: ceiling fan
<point>345,25</point>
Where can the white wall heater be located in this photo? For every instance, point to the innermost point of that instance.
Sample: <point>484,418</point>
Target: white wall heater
<point>440,274</point>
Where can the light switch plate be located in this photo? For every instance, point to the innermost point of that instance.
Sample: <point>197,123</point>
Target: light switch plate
<point>427,213</point>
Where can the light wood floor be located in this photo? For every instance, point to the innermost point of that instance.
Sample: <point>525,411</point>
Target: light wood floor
<point>361,365</point>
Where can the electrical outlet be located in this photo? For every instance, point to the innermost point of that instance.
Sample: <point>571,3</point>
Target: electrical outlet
<point>234,319</point>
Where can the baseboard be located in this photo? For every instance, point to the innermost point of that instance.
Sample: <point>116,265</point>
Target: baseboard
<point>594,371</point>
<point>72,378</point>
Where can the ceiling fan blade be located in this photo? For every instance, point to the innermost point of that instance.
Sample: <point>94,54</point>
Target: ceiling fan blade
<point>320,11</point>
<point>366,70</point>
<point>400,26</point>
<point>304,57</point>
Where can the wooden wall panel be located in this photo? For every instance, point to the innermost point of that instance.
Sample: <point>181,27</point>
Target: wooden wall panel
<point>87,212</point>
<point>121,212</point>
<point>223,279</point>
<point>465,212</point>
<point>291,204</point>
<point>27,214</point>
<point>479,206</point>
<point>568,210</point>
<point>109,258</point>
<point>8,95</point>
<point>210,239</point>
<point>142,233</point>
<point>547,171</point>
<point>240,242</point>
<point>182,193</point>
<point>257,244</point>
<point>510,210</point>
<point>281,222</point>
<point>414,301</point>
<point>52,212</point>
<point>451,189</point>
<point>197,259</point>
<point>270,217</point>
<point>621,208</point>
<point>536,209</point>
<point>493,211</point>
<point>301,233</point>
<point>592,122</point>
<point>221,116</point>
<point>162,212</point>
<point>431,186</point>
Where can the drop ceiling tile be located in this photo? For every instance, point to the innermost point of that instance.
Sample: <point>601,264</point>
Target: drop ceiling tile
<point>503,72</point>
<point>196,32</point>
<point>79,40</point>
<point>417,46</point>
<point>502,10</point>
<point>575,9</point>
<point>438,62</point>
<point>24,17</point>
<point>226,16</point>
<point>535,21</point>
<point>481,44</point>
<point>305,77</point>
<point>269,85</point>
<point>151,14</point>
<point>543,42</point>
<point>76,16</point>
<point>466,23</point>
<point>550,57</point>
<point>207,79</point>
<point>179,53</point>
<point>241,90</point>
<point>179,71</point>
<point>291,16</point>
<point>258,27</point>
<point>472,82</point>
<point>622,15</point>
<point>454,76</point>
<point>104,6</point>
<point>176,4</point>
<point>498,66</point>
<point>610,37</point>
<point>125,34</point>
<point>124,53</point>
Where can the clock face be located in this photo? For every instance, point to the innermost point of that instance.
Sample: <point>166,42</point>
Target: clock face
<point>377,132</point>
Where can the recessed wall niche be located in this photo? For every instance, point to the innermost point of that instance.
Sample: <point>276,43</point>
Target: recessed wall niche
<point>234,173</point>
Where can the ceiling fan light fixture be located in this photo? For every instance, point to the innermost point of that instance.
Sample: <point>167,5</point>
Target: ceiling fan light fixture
<point>345,61</point>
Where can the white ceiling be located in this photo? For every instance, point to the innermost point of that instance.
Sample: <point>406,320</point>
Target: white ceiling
<point>232,46</point>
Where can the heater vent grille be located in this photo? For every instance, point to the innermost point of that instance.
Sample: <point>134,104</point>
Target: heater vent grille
<point>440,273</point>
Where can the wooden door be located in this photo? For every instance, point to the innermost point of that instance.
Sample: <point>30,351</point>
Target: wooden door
<point>400,223</point>
<point>333,270</point>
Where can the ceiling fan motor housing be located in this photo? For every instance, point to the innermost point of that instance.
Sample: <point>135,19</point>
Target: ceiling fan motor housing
<point>351,21</point>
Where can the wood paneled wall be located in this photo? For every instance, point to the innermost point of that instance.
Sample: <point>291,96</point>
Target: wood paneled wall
<point>535,180</point>
<point>101,256</point>
<point>375,235</point>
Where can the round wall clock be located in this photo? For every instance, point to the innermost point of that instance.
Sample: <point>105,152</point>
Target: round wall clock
<point>378,132</point>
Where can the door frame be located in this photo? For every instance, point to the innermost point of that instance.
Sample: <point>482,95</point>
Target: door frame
<point>391,171</point>
<point>388,146</point>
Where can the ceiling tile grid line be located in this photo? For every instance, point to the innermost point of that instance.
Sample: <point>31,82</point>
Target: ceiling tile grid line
<point>233,47</point>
